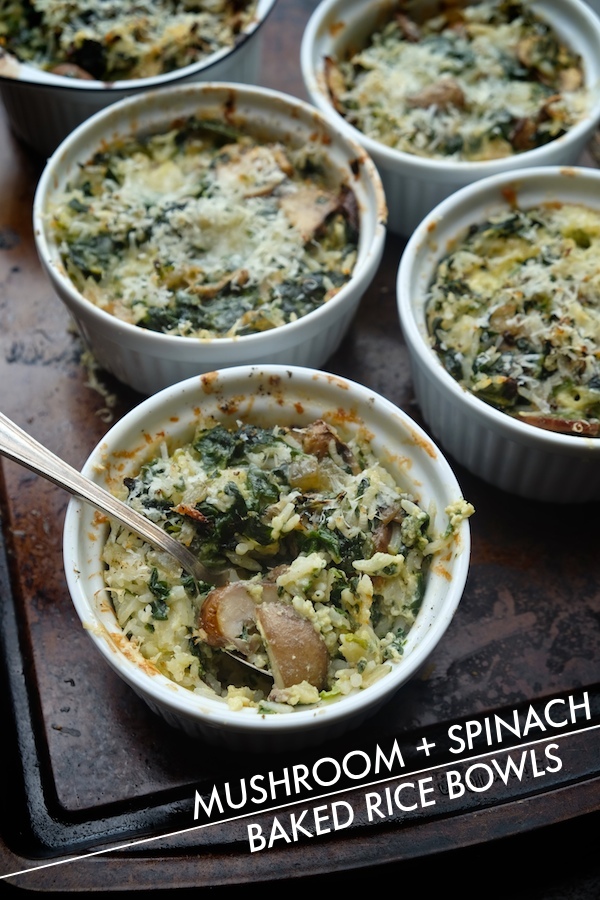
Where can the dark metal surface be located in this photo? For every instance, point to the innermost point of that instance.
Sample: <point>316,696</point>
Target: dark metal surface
<point>91,767</point>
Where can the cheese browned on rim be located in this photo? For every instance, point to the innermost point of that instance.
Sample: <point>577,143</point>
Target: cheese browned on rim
<point>205,232</point>
<point>114,40</point>
<point>476,82</point>
<point>327,555</point>
<point>514,313</point>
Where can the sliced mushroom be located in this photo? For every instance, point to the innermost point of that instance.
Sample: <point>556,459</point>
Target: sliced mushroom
<point>295,649</point>
<point>534,54</point>
<point>307,207</point>
<point>528,51</point>
<point>317,437</point>
<point>336,84</point>
<point>210,289</point>
<point>408,28</point>
<point>382,535</point>
<point>253,171</point>
<point>570,79</point>
<point>442,94</point>
<point>562,426</point>
<point>349,206</point>
<point>501,318</point>
<point>546,112</point>
<point>191,278</point>
<point>524,134</point>
<point>181,278</point>
<point>383,531</point>
<point>71,70</point>
<point>226,614</point>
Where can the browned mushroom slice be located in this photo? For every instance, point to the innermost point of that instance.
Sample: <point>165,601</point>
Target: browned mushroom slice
<point>226,614</point>
<point>383,531</point>
<point>335,82</point>
<point>408,28</point>
<point>546,109</point>
<point>191,278</point>
<point>307,207</point>
<point>316,439</point>
<point>532,52</point>
<point>210,289</point>
<point>562,426</point>
<point>182,277</point>
<point>253,171</point>
<point>71,70</point>
<point>349,206</point>
<point>229,612</point>
<point>295,649</point>
<point>528,51</point>
<point>570,79</point>
<point>502,319</point>
<point>524,133</point>
<point>442,94</point>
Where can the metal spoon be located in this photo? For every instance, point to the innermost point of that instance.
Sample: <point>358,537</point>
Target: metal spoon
<point>17,445</point>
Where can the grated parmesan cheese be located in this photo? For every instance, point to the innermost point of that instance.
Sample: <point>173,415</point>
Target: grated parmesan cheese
<point>112,40</point>
<point>202,231</point>
<point>514,313</point>
<point>477,82</point>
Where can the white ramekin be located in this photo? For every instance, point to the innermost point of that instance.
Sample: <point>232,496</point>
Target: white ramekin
<point>514,456</point>
<point>149,361</point>
<point>265,396</point>
<point>414,185</point>
<point>44,108</point>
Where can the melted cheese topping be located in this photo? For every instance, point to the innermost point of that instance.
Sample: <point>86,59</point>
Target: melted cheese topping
<point>204,232</point>
<point>476,83</point>
<point>111,40</point>
<point>514,313</point>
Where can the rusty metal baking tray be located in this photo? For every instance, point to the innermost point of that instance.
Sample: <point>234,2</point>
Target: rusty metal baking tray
<point>94,777</point>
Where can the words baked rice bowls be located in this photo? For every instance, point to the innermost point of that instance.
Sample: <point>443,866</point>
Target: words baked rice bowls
<point>274,506</point>
<point>526,407</point>
<point>60,63</point>
<point>227,240</point>
<point>466,100</point>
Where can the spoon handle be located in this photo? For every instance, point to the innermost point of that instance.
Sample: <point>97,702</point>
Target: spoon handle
<point>17,445</point>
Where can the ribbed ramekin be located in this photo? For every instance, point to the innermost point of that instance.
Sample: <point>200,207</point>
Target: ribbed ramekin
<point>148,360</point>
<point>265,396</point>
<point>523,459</point>
<point>414,185</point>
<point>43,108</point>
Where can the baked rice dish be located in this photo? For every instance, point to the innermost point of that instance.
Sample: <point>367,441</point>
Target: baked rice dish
<point>111,40</point>
<point>205,232</point>
<point>514,314</point>
<point>326,560</point>
<point>475,82</point>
